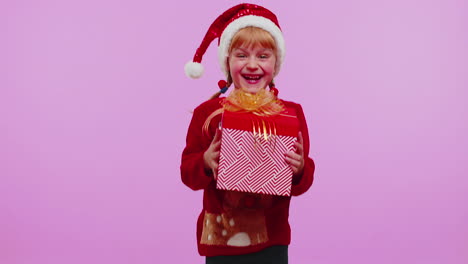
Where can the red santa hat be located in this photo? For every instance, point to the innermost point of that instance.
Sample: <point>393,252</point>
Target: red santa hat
<point>226,26</point>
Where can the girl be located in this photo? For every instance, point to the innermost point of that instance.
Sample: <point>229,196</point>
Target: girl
<point>237,227</point>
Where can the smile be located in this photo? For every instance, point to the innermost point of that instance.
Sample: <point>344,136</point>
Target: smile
<point>252,78</point>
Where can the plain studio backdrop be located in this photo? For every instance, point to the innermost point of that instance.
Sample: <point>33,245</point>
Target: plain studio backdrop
<point>94,109</point>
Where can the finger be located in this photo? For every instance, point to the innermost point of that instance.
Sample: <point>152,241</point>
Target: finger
<point>217,136</point>
<point>299,148</point>
<point>300,138</point>
<point>212,164</point>
<point>300,141</point>
<point>293,155</point>
<point>216,145</point>
<point>294,167</point>
<point>293,162</point>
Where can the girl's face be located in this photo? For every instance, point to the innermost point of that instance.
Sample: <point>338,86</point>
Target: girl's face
<point>251,68</point>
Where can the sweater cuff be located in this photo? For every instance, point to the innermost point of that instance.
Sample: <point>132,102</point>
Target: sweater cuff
<point>296,179</point>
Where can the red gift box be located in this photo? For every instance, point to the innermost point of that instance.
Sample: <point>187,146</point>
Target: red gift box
<point>253,148</point>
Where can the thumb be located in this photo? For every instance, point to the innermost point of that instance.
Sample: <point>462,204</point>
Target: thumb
<point>300,138</point>
<point>217,136</point>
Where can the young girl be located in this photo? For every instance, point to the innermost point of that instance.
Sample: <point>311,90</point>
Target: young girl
<point>238,227</point>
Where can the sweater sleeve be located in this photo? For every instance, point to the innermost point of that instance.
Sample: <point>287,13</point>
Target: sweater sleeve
<point>192,167</point>
<point>301,183</point>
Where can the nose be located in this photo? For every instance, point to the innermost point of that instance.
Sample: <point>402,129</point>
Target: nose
<point>252,64</point>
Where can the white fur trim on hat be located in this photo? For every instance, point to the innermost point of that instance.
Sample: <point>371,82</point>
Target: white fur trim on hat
<point>194,70</point>
<point>248,21</point>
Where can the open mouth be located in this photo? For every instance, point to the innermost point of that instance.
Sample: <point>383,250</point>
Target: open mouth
<point>250,78</point>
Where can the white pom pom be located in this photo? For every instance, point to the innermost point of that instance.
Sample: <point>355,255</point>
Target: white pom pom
<point>194,70</point>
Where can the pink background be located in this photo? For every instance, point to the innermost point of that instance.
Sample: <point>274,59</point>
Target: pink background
<point>94,107</point>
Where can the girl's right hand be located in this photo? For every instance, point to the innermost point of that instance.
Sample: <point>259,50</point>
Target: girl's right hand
<point>211,155</point>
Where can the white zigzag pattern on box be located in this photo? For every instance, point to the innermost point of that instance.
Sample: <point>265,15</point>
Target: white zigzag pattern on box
<point>253,164</point>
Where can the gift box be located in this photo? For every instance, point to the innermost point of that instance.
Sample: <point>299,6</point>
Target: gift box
<point>253,148</point>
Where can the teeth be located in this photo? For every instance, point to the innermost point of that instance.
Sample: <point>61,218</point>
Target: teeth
<point>252,77</point>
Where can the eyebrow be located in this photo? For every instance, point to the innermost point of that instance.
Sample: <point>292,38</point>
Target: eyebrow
<point>240,49</point>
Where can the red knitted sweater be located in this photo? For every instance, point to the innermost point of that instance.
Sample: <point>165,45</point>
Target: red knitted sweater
<point>234,223</point>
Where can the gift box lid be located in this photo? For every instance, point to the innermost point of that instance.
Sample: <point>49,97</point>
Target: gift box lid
<point>285,123</point>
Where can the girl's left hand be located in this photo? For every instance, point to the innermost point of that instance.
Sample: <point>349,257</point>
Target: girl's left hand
<point>296,159</point>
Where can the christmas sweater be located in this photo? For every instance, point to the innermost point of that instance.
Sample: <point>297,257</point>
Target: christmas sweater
<point>234,223</point>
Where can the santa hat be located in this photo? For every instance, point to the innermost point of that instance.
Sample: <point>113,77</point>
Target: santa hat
<point>227,25</point>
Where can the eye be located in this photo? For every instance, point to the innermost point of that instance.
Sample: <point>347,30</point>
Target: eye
<point>241,55</point>
<point>264,56</point>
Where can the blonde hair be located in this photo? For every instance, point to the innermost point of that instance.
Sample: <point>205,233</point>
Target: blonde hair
<point>250,37</point>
